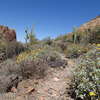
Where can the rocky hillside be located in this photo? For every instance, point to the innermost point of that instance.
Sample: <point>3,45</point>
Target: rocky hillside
<point>91,24</point>
<point>7,33</point>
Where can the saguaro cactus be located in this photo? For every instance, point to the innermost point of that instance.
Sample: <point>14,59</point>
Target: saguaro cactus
<point>74,35</point>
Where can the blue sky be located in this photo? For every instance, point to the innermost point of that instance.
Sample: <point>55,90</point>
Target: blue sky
<point>49,17</point>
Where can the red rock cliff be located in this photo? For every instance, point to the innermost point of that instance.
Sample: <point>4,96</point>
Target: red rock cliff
<point>8,34</point>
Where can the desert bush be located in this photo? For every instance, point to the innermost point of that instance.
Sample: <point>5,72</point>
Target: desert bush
<point>3,45</point>
<point>94,35</point>
<point>30,64</point>
<point>14,48</point>
<point>91,35</point>
<point>86,82</point>
<point>40,45</point>
<point>62,45</point>
<point>75,50</point>
<point>47,54</point>
<point>52,58</point>
<point>35,62</point>
<point>65,37</point>
<point>33,68</point>
<point>61,37</point>
<point>9,66</point>
<point>28,54</point>
<point>10,49</point>
<point>59,45</point>
<point>10,75</point>
<point>47,41</point>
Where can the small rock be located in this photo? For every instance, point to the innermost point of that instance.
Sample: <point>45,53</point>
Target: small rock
<point>56,79</point>
<point>27,90</point>
<point>14,90</point>
<point>42,98</point>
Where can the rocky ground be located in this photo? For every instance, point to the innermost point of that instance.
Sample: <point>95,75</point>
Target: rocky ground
<point>53,87</point>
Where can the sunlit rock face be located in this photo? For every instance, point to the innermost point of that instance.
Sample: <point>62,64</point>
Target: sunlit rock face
<point>91,24</point>
<point>7,33</point>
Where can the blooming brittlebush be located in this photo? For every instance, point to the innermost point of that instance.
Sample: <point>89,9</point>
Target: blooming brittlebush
<point>23,56</point>
<point>87,76</point>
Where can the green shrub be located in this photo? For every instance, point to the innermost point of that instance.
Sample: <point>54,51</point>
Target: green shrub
<point>75,50</point>
<point>86,83</point>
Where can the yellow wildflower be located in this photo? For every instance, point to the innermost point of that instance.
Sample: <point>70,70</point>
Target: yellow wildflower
<point>92,94</point>
<point>26,54</point>
<point>98,48</point>
<point>98,45</point>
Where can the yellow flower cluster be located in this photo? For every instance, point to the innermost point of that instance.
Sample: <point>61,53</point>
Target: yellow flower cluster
<point>92,93</point>
<point>98,46</point>
<point>26,54</point>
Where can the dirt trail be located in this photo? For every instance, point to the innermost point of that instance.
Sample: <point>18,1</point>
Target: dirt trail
<point>53,87</point>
